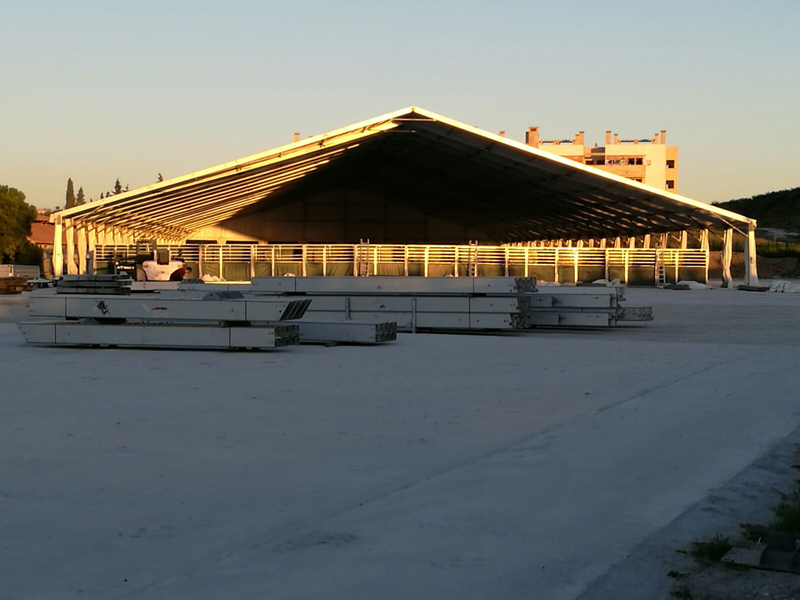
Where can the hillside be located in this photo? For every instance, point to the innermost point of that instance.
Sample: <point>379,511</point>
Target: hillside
<point>775,209</point>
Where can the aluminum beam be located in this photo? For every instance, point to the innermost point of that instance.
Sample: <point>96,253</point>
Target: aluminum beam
<point>572,319</point>
<point>347,332</point>
<point>394,285</point>
<point>156,307</point>
<point>158,335</point>
<point>585,300</point>
<point>408,321</point>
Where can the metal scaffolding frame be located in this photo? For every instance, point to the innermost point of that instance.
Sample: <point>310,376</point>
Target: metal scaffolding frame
<point>567,264</point>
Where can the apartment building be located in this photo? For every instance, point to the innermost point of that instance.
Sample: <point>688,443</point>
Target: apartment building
<point>646,160</point>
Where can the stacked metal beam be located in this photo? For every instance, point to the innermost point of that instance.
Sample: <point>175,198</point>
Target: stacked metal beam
<point>420,311</point>
<point>466,303</point>
<point>155,307</point>
<point>346,332</point>
<point>149,320</point>
<point>159,335</point>
<point>482,303</point>
<point>405,286</point>
<point>117,284</point>
<point>216,319</point>
<point>584,307</point>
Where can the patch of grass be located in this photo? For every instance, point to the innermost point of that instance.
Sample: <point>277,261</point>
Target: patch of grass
<point>752,532</point>
<point>787,517</point>
<point>711,550</point>
<point>787,512</point>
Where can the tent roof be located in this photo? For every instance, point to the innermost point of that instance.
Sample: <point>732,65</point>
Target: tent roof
<point>460,173</point>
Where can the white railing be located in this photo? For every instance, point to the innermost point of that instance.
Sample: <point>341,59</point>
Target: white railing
<point>545,263</point>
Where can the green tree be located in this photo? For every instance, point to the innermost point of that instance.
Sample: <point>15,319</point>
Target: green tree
<point>29,254</point>
<point>160,178</point>
<point>80,198</point>
<point>16,217</point>
<point>70,195</point>
<point>117,187</point>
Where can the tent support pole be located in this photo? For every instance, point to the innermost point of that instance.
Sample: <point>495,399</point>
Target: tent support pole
<point>91,244</point>
<point>750,257</point>
<point>82,247</point>
<point>727,254</point>
<point>58,248</point>
<point>70,235</point>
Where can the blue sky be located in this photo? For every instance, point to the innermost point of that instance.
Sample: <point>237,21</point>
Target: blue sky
<point>100,90</point>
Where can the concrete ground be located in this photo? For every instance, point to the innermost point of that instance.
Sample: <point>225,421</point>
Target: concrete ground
<point>435,467</point>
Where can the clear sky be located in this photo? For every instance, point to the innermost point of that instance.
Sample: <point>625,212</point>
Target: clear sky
<point>98,90</point>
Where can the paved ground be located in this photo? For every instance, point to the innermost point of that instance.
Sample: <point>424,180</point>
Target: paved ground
<point>436,467</point>
<point>750,497</point>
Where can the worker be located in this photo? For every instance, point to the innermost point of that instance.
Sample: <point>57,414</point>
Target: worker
<point>178,274</point>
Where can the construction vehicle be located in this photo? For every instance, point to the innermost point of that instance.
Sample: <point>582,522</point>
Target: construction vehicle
<point>149,263</point>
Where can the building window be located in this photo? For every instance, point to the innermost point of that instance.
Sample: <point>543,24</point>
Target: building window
<point>639,179</point>
<point>670,164</point>
<point>638,161</point>
<point>670,184</point>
